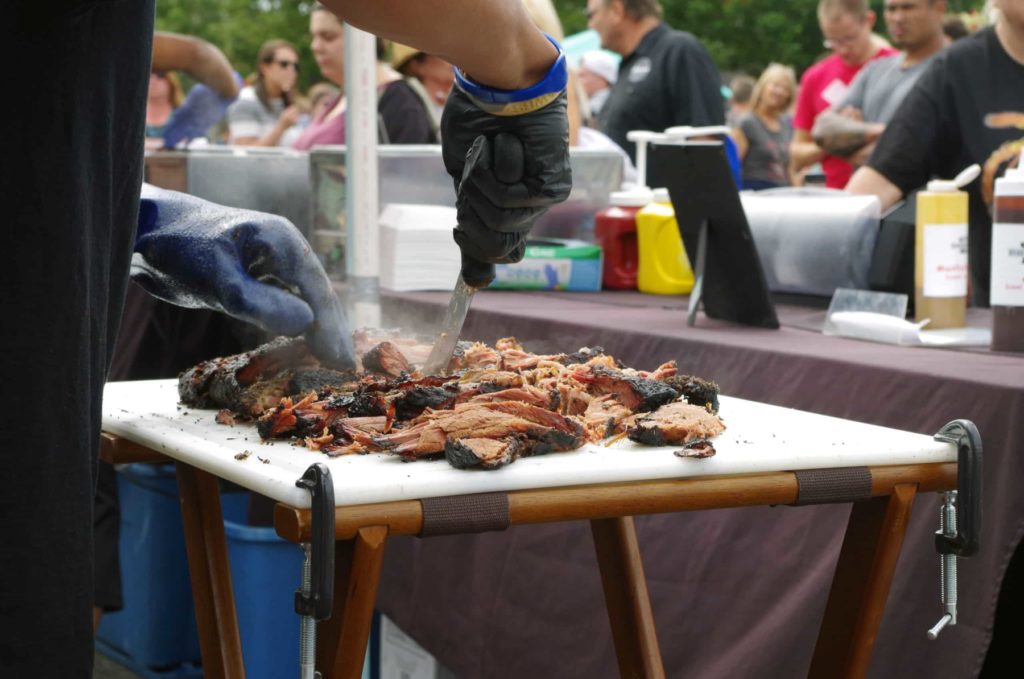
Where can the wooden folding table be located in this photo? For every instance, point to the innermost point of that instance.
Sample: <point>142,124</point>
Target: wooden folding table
<point>767,456</point>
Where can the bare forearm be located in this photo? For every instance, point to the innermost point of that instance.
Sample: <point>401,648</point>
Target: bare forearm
<point>742,145</point>
<point>842,136</point>
<point>200,59</point>
<point>494,41</point>
<point>803,153</point>
<point>868,180</point>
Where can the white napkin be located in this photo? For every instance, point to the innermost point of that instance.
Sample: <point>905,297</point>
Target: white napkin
<point>417,251</point>
<point>876,327</point>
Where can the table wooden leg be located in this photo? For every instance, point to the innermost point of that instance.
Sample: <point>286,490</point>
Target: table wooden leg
<point>625,594</point>
<point>856,602</point>
<point>341,640</point>
<point>208,566</point>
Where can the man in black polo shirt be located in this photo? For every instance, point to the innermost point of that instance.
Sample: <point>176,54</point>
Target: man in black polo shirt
<point>666,77</point>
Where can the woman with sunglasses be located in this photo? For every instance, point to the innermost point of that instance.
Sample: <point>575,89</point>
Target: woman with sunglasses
<point>265,113</point>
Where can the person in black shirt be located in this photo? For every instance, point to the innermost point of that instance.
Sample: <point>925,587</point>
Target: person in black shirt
<point>72,183</point>
<point>968,107</point>
<point>666,77</point>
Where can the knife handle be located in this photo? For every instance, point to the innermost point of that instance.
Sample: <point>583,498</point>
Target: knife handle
<point>476,274</point>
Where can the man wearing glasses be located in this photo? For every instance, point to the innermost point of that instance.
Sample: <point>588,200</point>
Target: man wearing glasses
<point>846,25</point>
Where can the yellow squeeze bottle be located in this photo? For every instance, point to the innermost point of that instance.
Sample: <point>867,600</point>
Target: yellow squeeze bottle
<point>663,267</point>
<point>940,258</point>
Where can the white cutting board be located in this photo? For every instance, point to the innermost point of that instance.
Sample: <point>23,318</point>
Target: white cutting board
<point>759,438</point>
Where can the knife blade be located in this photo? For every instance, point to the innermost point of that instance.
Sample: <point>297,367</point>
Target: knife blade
<point>451,327</point>
<point>508,168</point>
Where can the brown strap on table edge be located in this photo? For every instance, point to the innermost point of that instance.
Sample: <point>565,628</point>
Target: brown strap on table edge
<point>823,486</point>
<point>454,514</point>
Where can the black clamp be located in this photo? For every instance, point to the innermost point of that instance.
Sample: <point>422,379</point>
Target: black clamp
<point>318,602</point>
<point>969,485</point>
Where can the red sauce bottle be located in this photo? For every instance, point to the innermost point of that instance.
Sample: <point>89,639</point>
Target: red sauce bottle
<point>1007,285</point>
<point>615,232</point>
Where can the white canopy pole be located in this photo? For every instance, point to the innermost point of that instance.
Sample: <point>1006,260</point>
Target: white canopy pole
<point>361,208</point>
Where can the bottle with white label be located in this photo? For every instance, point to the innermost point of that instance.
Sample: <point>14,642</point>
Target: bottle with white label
<point>1007,287</point>
<point>940,265</point>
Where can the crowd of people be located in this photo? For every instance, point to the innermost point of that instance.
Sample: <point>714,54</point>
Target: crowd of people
<point>818,130</point>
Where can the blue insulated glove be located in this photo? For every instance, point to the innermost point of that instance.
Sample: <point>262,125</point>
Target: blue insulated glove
<point>251,265</point>
<point>495,212</point>
<point>201,109</point>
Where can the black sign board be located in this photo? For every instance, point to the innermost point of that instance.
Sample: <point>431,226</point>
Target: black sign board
<point>729,279</point>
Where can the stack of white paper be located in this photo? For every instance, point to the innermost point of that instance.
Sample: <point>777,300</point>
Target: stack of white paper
<point>417,251</point>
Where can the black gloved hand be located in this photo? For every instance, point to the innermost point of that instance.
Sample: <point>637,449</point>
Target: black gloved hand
<point>497,211</point>
<point>251,265</point>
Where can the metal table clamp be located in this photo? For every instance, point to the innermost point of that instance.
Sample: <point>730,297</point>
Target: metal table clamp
<point>316,597</point>
<point>959,531</point>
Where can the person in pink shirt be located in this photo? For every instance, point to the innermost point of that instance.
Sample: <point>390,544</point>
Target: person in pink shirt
<point>328,46</point>
<point>846,25</point>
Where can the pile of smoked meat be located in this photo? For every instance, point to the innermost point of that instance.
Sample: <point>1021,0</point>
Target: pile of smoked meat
<point>493,405</point>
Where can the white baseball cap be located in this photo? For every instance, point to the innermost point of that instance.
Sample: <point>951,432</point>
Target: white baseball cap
<point>600,63</point>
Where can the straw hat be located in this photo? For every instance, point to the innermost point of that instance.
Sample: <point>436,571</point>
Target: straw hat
<point>600,63</point>
<point>400,54</point>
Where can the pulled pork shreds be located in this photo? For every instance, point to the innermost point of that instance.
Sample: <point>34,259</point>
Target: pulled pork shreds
<point>494,405</point>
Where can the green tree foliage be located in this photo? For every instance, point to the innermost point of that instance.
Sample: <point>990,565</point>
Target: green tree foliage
<point>239,27</point>
<point>746,35</point>
<point>742,35</point>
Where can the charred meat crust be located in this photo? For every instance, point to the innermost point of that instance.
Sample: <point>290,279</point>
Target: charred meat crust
<point>386,358</point>
<point>647,435</point>
<point>696,391</point>
<point>478,452</point>
<point>639,394</point>
<point>414,401</point>
<point>675,423</point>
<point>218,383</point>
<point>698,448</point>
<point>320,380</point>
<point>583,355</point>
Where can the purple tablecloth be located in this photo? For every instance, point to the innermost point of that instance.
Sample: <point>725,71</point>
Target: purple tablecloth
<point>735,593</point>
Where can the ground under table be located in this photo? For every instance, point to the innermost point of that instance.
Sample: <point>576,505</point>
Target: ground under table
<point>768,456</point>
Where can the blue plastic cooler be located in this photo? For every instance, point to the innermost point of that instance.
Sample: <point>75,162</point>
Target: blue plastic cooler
<point>156,629</point>
<point>155,633</point>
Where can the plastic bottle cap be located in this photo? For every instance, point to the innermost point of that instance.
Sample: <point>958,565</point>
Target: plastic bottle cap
<point>661,196</point>
<point>635,197</point>
<point>968,175</point>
